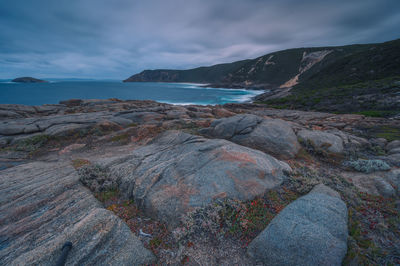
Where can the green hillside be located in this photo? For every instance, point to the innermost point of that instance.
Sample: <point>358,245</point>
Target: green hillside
<point>352,78</point>
<point>366,82</point>
<point>341,64</point>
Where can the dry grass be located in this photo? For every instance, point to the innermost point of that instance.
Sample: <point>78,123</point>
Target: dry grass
<point>78,163</point>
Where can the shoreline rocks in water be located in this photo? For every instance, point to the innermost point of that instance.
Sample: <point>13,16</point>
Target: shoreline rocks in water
<point>28,80</point>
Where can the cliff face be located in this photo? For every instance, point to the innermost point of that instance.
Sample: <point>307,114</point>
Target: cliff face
<point>320,65</point>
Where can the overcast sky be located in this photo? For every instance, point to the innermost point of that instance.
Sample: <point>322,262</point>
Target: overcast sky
<point>115,39</point>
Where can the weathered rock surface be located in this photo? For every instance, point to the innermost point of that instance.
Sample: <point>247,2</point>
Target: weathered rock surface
<point>73,116</point>
<point>392,158</point>
<point>322,140</point>
<point>351,123</point>
<point>351,142</point>
<point>310,231</point>
<point>393,177</point>
<point>394,151</point>
<point>374,184</point>
<point>43,205</point>
<point>38,215</point>
<point>393,145</point>
<point>381,142</point>
<point>178,172</point>
<point>273,136</point>
<point>140,117</point>
<point>33,125</point>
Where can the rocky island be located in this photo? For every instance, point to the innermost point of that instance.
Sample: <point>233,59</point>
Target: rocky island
<point>28,80</point>
<point>142,182</point>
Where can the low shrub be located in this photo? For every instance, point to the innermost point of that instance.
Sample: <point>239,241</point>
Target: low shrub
<point>242,220</point>
<point>78,163</point>
<point>367,166</point>
<point>123,138</point>
<point>96,178</point>
<point>33,143</point>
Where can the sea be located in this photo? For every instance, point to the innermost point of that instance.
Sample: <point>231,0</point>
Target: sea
<point>174,93</point>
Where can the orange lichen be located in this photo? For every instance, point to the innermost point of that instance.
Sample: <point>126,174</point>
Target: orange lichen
<point>250,188</point>
<point>232,156</point>
<point>180,191</point>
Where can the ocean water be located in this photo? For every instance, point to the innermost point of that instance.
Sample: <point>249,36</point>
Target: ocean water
<point>174,93</point>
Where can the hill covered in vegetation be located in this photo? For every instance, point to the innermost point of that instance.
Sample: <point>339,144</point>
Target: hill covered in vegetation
<point>319,66</point>
<point>353,78</point>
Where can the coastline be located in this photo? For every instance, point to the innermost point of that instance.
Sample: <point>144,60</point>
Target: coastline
<point>171,93</point>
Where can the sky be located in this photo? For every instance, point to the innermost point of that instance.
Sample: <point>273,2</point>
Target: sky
<point>106,39</point>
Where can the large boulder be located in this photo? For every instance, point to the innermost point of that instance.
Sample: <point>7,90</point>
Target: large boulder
<point>393,145</point>
<point>43,205</point>
<point>374,183</point>
<point>178,172</point>
<point>310,231</point>
<point>392,159</point>
<point>321,140</point>
<point>393,177</point>
<point>273,136</point>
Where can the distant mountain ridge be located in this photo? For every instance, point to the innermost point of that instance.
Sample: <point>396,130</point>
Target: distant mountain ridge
<point>317,66</point>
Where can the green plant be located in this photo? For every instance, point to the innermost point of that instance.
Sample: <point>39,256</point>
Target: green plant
<point>132,125</point>
<point>33,143</point>
<point>367,166</point>
<point>96,177</point>
<point>388,133</point>
<point>120,138</point>
<point>378,113</point>
<point>105,196</point>
<point>369,217</point>
<point>378,150</point>
<point>242,220</point>
<point>155,242</point>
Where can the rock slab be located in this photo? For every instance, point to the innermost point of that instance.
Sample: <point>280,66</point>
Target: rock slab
<point>43,205</point>
<point>310,231</point>
<point>322,140</point>
<point>178,172</point>
<point>273,136</point>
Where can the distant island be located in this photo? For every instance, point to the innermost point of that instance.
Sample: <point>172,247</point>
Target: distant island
<point>28,80</point>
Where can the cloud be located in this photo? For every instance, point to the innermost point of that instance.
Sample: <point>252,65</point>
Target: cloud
<point>114,39</point>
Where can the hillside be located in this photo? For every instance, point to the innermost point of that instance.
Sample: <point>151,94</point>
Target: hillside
<point>318,65</point>
<point>366,82</point>
<point>352,78</point>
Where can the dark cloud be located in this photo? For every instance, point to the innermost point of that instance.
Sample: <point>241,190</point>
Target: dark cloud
<point>114,39</point>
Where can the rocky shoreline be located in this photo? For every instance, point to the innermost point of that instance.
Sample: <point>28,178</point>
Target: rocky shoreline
<point>142,182</point>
